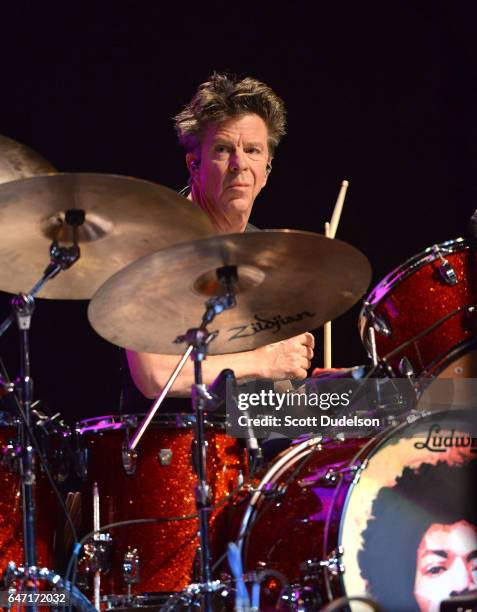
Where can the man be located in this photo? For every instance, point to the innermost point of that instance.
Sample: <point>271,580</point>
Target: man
<point>230,131</point>
<point>420,545</point>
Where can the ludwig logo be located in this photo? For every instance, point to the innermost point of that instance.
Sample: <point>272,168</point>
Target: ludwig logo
<point>438,442</point>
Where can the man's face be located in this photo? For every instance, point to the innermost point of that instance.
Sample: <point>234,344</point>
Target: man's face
<point>231,168</point>
<point>446,564</point>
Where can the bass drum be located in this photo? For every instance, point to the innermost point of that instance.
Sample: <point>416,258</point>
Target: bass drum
<point>363,518</point>
<point>424,314</point>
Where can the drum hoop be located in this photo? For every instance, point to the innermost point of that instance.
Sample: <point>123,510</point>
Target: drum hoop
<point>440,363</point>
<point>401,273</point>
<point>112,422</point>
<point>294,452</point>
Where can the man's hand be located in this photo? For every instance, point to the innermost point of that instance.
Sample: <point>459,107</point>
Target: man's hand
<point>287,359</point>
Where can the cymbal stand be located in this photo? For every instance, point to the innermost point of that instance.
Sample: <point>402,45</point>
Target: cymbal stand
<point>23,306</point>
<point>198,340</point>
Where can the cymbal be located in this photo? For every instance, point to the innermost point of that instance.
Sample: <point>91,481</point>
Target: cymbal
<point>18,161</point>
<point>289,282</point>
<point>126,218</point>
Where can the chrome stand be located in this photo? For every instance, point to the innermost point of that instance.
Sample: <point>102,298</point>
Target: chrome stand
<point>198,340</point>
<point>23,305</point>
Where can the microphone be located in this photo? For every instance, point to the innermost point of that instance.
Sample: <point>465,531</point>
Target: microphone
<point>218,391</point>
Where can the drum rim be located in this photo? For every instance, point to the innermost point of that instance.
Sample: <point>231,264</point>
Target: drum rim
<point>281,462</point>
<point>165,420</point>
<point>401,273</point>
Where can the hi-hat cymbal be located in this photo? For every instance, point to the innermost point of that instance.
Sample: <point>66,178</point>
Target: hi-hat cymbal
<point>18,161</point>
<point>125,219</point>
<point>289,282</point>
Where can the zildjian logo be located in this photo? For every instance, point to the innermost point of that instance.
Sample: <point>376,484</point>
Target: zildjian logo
<point>261,324</point>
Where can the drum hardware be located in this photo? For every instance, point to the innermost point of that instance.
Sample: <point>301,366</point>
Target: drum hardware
<point>18,574</point>
<point>192,595</point>
<point>129,458</point>
<point>331,564</point>
<point>331,477</point>
<point>131,568</point>
<point>446,271</point>
<point>165,456</point>
<point>301,598</point>
<point>198,340</point>
<point>61,258</point>
<point>406,369</point>
<point>97,554</point>
<point>379,323</point>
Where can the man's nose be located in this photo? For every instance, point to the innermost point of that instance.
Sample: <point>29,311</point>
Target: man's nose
<point>238,161</point>
<point>461,576</point>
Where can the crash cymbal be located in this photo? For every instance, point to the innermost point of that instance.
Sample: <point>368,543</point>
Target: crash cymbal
<point>289,282</point>
<point>126,218</point>
<point>18,161</point>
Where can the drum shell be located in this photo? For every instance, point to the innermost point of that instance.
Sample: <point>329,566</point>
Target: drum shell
<point>295,520</point>
<point>161,486</point>
<point>11,512</point>
<point>430,321</point>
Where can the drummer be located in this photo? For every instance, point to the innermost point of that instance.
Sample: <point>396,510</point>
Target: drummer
<point>230,130</point>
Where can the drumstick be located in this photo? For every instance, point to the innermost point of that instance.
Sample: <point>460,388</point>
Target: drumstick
<point>330,232</point>
<point>96,527</point>
<point>335,217</point>
<point>327,326</point>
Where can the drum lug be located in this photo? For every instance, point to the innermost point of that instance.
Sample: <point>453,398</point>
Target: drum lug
<point>298,598</point>
<point>405,368</point>
<point>129,458</point>
<point>131,567</point>
<point>165,456</point>
<point>332,564</point>
<point>11,457</point>
<point>446,271</point>
<point>97,554</point>
<point>331,477</point>
<point>379,322</point>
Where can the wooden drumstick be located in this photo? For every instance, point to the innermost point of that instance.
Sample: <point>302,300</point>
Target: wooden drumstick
<point>335,217</point>
<point>330,232</point>
<point>327,326</point>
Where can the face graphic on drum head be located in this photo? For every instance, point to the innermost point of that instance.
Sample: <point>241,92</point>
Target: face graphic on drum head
<point>420,545</point>
<point>446,564</point>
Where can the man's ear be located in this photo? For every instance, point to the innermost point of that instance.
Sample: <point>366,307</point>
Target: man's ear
<point>193,164</point>
<point>267,171</point>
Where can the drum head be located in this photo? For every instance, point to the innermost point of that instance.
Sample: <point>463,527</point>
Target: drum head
<point>409,525</point>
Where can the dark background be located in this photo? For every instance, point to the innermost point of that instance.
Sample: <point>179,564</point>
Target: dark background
<point>383,94</point>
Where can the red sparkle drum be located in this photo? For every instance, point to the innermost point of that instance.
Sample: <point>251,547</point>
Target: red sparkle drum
<point>47,508</point>
<point>157,483</point>
<point>354,518</point>
<point>424,314</point>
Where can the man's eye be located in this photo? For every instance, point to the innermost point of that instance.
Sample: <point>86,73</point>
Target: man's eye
<point>253,150</point>
<point>435,569</point>
<point>221,149</point>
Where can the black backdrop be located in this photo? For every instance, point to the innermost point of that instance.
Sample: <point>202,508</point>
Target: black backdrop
<point>383,94</point>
